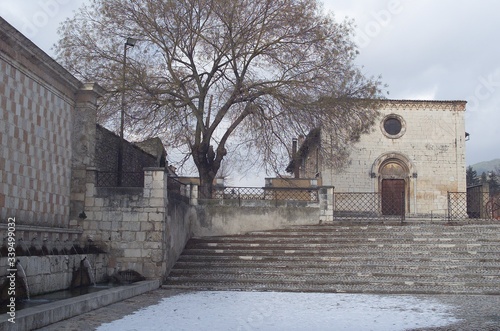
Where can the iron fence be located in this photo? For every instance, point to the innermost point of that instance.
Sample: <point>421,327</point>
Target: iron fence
<point>265,193</point>
<point>493,207</point>
<point>111,179</point>
<point>363,206</point>
<point>177,191</point>
<point>473,204</point>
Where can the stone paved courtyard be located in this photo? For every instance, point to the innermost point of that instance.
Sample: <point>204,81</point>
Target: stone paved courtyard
<point>475,312</point>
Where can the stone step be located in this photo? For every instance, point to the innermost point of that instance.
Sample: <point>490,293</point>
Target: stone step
<point>381,234</point>
<point>384,231</point>
<point>384,288</point>
<point>347,238</point>
<point>409,266</point>
<point>369,252</point>
<point>366,244</point>
<point>341,278</point>
<point>412,262</point>
<point>338,273</point>
<point>378,234</point>
<point>351,237</point>
<point>358,259</point>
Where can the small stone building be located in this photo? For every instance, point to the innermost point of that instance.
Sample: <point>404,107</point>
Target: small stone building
<point>416,149</point>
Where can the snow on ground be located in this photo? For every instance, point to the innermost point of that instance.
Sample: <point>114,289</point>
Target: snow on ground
<point>286,311</point>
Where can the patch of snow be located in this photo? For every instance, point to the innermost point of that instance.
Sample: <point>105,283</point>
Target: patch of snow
<point>286,311</point>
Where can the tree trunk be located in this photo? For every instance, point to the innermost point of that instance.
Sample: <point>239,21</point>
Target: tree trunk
<point>208,164</point>
<point>206,182</point>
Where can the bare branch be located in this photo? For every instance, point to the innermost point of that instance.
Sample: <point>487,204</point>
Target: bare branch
<point>272,69</point>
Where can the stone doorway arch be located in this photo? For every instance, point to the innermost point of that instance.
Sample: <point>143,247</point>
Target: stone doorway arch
<point>392,171</point>
<point>393,187</point>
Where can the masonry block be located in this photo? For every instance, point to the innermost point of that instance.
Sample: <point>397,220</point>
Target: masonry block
<point>159,226</point>
<point>154,236</point>
<point>128,236</point>
<point>140,236</point>
<point>152,245</point>
<point>158,202</point>
<point>156,255</point>
<point>78,196</point>
<point>130,217</point>
<point>132,253</point>
<point>158,193</point>
<point>148,180</point>
<point>105,225</point>
<point>146,226</point>
<point>90,189</point>
<point>156,217</point>
<point>89,202</point>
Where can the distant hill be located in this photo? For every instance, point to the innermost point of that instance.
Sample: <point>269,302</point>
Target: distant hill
<point>486,166</point>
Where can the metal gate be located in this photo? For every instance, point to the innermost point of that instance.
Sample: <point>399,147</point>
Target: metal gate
<point>363,206</point>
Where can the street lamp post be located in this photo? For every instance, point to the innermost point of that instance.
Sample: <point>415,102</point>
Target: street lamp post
<point>129,43</point>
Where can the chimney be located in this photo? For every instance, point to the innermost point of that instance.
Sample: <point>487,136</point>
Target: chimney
<point>301,139</point>
<point>296,163</point>
<point>294,147</point>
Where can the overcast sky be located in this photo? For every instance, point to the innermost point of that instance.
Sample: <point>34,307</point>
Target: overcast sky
<point>434,50</point>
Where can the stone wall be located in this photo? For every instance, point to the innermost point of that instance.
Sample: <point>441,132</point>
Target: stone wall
<point>55,272</point>
<point>180,219</point>
<point>37,100</point>
<point>431,148</point>
<point>134,227</point>
<point>228,217</point>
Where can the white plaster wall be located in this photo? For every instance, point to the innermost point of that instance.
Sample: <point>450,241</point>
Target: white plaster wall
<point>434,144</point>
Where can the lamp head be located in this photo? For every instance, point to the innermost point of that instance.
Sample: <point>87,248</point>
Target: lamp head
<point>130,42</point>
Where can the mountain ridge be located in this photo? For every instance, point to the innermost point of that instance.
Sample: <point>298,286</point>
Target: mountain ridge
<point>486,166</point>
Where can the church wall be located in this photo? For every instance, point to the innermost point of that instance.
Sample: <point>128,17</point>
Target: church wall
<point>433,146</point>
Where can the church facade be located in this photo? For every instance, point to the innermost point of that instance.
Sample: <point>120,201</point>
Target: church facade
<point>416,149</point>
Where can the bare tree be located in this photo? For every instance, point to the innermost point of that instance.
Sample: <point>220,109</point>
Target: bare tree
<point>216,76</point>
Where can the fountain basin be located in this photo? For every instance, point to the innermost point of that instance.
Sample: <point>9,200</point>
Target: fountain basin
<point>48,313</point>
<point>56,296</point>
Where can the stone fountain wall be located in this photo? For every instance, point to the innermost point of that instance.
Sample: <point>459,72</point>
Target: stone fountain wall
<point>54,272</point>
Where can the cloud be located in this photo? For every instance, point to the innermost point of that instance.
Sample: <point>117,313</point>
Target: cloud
<point>39,20</point>
<point>438,50</point>
<point>442,50</point>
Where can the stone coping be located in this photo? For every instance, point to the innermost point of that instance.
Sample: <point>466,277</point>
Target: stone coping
<point>43,315</point>
<point>34,228</point>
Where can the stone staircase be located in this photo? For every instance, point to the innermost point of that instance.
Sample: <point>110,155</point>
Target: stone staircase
<point>412,259</point>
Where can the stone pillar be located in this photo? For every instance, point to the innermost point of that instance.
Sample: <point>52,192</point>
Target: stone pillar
<point>83,146</point>
<point>326,203</point>
<point>84,124</point>
<point>193,195</point>
<point>484,195</point>
<point>152,237</point>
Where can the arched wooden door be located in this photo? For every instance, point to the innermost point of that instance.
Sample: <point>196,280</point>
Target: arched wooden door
<point>393,187</point>
<point>393,196</point>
